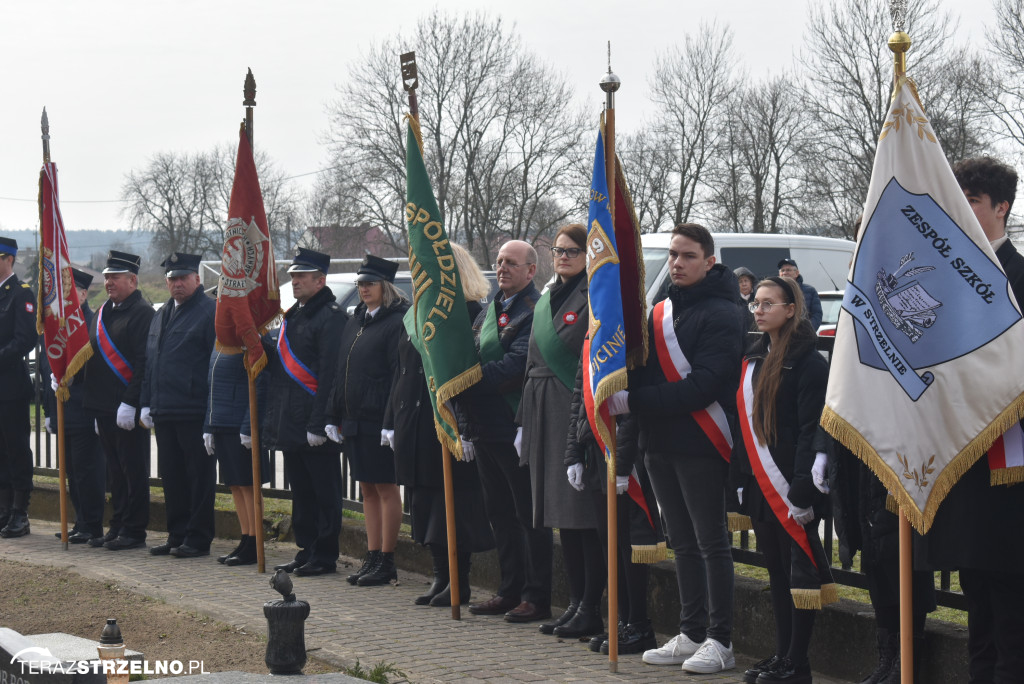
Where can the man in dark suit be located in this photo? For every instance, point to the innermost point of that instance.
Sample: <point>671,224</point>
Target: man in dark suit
<point>113,385</point>
<point>486,414</point>
<point>174,394</point>
<point>17,337</point>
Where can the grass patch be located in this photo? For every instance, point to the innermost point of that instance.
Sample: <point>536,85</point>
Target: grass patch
<point>380,673</point>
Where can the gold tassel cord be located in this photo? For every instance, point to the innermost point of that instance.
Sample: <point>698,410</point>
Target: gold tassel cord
<point>649,553</point>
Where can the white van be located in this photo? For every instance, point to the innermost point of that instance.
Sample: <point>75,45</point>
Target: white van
<point>824,262</point>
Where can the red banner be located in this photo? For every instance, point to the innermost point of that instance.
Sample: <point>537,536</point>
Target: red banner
<point>248,296</point>
<point>631,271</point>
<point>59,319</point>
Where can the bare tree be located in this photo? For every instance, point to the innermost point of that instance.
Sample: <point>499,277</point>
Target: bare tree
<point>960,104</point>
<point>1008,47</point>
<point>646,160</point>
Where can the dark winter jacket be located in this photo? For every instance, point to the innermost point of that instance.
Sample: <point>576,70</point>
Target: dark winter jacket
<point>314,333</point>
<point>17,337</point>
<point>128,327</point>
<point>798,407</point>
<point>178,358</point>
<point>709,327</point>
<point>227,402</point>
<point>482,411</point>
<point>365,369</point>
<point>812,303</point>
<point>75,417</point>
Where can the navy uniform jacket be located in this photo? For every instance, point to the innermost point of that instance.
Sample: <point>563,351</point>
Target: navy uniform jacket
<point>128,326</point>
<point>178,351</point>
<point>17,337</point>
<point>314,335</point>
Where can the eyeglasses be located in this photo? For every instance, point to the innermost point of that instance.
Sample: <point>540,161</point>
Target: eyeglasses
<point>571,252</point>
<point>765,306</point>
<point>501,263</point>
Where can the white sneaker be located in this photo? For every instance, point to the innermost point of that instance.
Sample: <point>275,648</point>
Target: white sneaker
<point>710,657</point>
<point>679,648</point>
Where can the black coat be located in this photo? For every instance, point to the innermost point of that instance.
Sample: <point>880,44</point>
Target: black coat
<point>17,337</point>
<point>128,327</point>
<point>972,525</point>
<point>798,407</point>
<point>178,351</point>
<point>314,333</point>
<point>227,405</point>
<point>482,411</point>
<point>75,417</point>
<point>410,414</point>
<point>709,327</point>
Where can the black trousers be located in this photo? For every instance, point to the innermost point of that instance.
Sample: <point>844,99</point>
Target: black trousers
<point>995,624</point>
<point>15,452</point>
<point>127,453</point>
<point>87,479</point>
<point>315,477</point>
<point>189,475</point>
<point>524,552</point>
<point>633,578</point>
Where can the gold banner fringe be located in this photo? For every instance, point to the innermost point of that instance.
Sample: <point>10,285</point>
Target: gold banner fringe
<point>415,126</point>
<point>814,599</point>
<point>891,504</point>
<point>63,393</point>
<point>829,594</point>
<point>922,521</point>
<point>649,553</point>
<point>454,387</point>
<point>739,522</point>
<point>255,369</point>
<point>607,387</point>
<point>225,349</point>
<point>1007,476</point>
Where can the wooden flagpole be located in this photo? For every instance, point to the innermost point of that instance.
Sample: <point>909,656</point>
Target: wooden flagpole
<point>410,81</point>
<point>609,84</point>
<point>62,473</point>
<point>249,90</point>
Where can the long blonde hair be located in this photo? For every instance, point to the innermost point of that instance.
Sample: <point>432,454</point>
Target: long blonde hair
<point>474,285</point>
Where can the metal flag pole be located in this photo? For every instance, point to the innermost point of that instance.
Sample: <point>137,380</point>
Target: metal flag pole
<point>249,90</point>
<point>899,43</point>
<point>62,473</point>
<point>410,81</point>
<point>609,84</point>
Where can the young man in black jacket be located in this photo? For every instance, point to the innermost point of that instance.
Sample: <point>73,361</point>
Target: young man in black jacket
<point>683,401</point>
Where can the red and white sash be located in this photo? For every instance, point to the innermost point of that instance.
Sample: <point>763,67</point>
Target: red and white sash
<point>1006,457</point>
<point>675,366</point>
<point>773,484</point>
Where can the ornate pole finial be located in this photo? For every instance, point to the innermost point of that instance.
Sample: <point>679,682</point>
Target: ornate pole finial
<point>44,124</point>
<point>410,81</point>
<point>610,83</point>
<point>898,12</point>
<point>249,91</point>
<point>899,41</point>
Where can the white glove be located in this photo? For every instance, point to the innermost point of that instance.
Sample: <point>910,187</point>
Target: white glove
<point>315,440</point>
<point>53,382</point>
<point>96,426</point>
<point>739,494</point>
<point>575,475</point>
<point>146,420</point>
<point>208,443</point>
<point>125,417</point>
<point>618,403</point>
<point>387,438</point>
<point>801,515</point>
<point>818,472</point>
<point>518,443</point>
<point>49,425</point>
<point>246,440</point>
<point>468,450</point>
<point>621,484</point>
<point>391,439</point>
<point>332,432</point>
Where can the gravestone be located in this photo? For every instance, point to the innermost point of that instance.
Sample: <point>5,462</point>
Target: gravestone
<point>50,659</point>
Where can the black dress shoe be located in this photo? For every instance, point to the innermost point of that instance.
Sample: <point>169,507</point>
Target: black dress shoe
<point>549,627</point>
<point>528,612</point>
<point>635,638</point>
<point>96,542</point>
<point>71,533</point>
<point>165,548</point>
<point>234,551</point>
<point>786,672</point>
<point>496,605</point>
<point>595,642</point>
<point>122,543</point>
<point>586,622</point>
<point>290,566</point>
<point>751,674</point>
<point>312,569</point>
<point>79,537</point>
<point>186,551</point>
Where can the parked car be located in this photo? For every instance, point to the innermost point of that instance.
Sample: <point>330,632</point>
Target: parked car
<point>831,305</point>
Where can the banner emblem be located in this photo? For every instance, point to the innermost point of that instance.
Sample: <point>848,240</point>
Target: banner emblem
<point>243,258</point>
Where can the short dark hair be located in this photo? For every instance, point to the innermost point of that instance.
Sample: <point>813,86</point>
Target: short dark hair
<point>699,234</point>
<point>989,176</point>
<point>575,232</point>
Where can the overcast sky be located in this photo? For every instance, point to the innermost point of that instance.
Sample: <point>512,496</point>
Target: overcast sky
<point>122,81</point>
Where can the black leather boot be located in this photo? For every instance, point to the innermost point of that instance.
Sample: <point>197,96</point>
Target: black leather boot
<point>444,599</point>
<point>586,622</point>
<point>888,653</point>
<point>5,507</point>
<point>17,524</point>
<point>440,558</point>
<point>369,562</point>
<point>246,554</point>
<point>234,551</point>
<point>634,638</point>
<point>569,614</point>
<point>382,573</point>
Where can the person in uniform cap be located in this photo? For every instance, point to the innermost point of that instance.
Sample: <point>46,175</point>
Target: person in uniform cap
<point>17,338</point>
<point>85,462</point>
<point>174,393</point>
<point>303,354</point>
<point>788,269</point>
<point>113,388</point>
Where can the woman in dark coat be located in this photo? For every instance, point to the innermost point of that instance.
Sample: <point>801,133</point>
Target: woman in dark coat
<point>409,428</point>
<point>366,368</point>
<point>780,400</point>
<point>560,323</point>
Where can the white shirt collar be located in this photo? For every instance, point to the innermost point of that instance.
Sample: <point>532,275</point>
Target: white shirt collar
<point>998,242</point>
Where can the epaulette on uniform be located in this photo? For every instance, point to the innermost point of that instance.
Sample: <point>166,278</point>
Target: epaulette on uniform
<point>26,286</point>
<point>335,306</point>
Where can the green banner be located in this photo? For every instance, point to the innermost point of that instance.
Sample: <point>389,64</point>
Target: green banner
<point>438,321</point>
